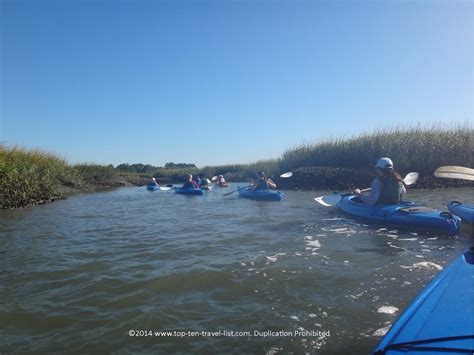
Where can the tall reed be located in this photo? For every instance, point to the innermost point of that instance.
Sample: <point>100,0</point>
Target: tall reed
<point>418,148</point>
<point>28,176</point>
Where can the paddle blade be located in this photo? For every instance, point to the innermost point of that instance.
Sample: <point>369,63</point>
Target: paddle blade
<point>329,200</point>
<point>287,175</point>
<point>455,172</point>
<point>165,188</point>
<point>410,179</point>
<point>214,178</point>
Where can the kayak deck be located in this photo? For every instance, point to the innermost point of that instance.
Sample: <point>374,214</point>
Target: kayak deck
<point>465,212</point>
<point>441,318</point>
<point>260,195</point>
<point>406,214</point>
<point>189,191</point>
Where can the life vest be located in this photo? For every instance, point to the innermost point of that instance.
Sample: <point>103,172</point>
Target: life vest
<point>261,184</point>
<point>391,191</point>
<point>188,185</point>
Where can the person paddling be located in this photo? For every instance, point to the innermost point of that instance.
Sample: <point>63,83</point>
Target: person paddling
<point>189,183</point>
<point>221,181</point>
<point>263,182</point>
<point>204,180</point>
<point>153,183</point>
<point>387,187</point>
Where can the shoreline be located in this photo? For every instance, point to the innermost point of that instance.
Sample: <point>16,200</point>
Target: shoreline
<point>306,178</point>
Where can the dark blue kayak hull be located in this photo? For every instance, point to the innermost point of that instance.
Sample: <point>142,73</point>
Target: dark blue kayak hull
<point>152,188</point>
<point>406,214</point>
<point>465,212</point>
<point>261,195</point>
<point>444,310</point>
<point>189,191</point>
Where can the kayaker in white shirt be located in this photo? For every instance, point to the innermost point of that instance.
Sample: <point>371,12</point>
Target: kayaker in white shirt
<point>387,188</point>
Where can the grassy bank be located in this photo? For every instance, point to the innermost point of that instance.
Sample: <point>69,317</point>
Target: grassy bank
<point>34,177</point>
<point>31,176</point>
<point>412,149</point>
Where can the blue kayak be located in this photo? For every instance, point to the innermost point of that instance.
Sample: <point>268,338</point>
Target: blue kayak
<point>465,212</point>
<point>406,214</point>
<point>440,320</point>
<point>260,195</point>
<point>152,187</point>
<point>189,191</point>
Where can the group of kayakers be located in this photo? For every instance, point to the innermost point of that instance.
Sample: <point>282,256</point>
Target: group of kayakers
<point>387,186</point>
<point>261,182</point>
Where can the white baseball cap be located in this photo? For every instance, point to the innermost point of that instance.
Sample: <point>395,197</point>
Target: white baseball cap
<point>384,163</point>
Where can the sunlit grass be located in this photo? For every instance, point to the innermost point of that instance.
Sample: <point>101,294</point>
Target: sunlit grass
<point>418,148</point>
<point>35,176</point>
<point>31,175</point>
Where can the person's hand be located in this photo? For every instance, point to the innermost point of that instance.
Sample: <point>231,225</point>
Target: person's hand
<point>357,191</point>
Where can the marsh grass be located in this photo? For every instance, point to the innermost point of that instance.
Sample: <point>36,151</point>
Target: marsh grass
<point>31,175</point>
<point>95,174</point>
<point>417,148</point>
<point>242,172</point>
<point>35,176</point>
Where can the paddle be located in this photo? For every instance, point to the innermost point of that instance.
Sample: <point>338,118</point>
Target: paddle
<point>240,188</point>
<point>284,176</point>
<point>331,200</point>
<point>214,178</point>
<point>166,188</point>
<point>455,172</point>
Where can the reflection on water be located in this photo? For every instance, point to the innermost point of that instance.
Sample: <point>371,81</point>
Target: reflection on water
<point>79,274</point>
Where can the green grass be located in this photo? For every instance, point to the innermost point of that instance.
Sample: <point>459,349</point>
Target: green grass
<point>418,148</point>
<point>31,175</point>
<point>95,174</point>
<point>35,176</point>
<point>241,172</point>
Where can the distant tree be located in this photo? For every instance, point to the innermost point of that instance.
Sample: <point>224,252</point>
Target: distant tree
<point>137,168</point>
<point>172,165</point>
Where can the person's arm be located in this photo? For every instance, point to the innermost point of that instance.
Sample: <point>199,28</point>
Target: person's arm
<point>253,185</point>
<point>271,184</point>
<point>373,196</point>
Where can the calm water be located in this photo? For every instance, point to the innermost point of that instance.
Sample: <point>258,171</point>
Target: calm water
<point>79,274</point>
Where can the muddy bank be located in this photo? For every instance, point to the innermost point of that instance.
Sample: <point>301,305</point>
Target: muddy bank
<point>66,189</point>
<point>331,178</point>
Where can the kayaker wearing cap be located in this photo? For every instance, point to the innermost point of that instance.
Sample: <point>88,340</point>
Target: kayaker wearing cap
<point>221,180</point>
<point>263,183</point>
<point>153,183</point>
<point>387,187</point>
<point>189,183</point>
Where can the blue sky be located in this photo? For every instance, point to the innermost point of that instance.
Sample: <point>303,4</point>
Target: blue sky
<point>216,82</point>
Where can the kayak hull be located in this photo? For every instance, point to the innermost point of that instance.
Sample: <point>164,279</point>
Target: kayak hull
<point>189,191</point>
<point>465,212</point>
<point>443,310</point>
<point>260,195</point>
<point>406,214</point>
<point>152,188</point>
